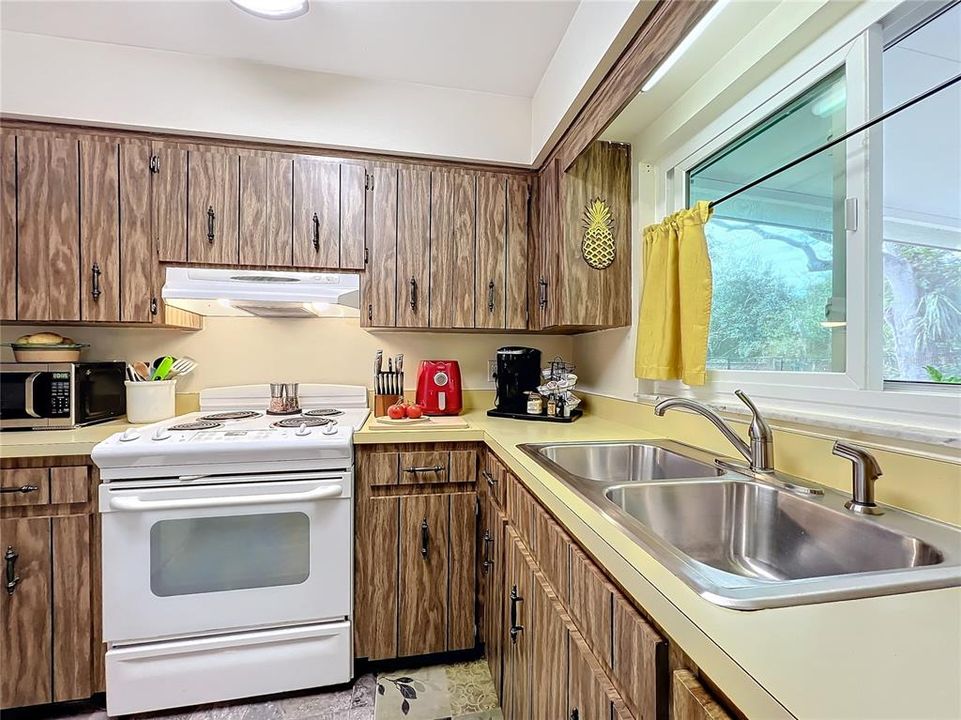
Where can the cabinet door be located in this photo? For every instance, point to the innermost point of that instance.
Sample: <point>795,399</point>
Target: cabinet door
<point>379,283</point>
<point>423,576</point>
<point>266,194</point>
<point>168,166</point>
<point>591,600</point>
<point>496,591</point>
<point>213,197</point>
<point>548,655</point>
<point>8,227</point>
<point>99,230</point>
<point>452,207</point>
<point>517,672</point>
<point>462,623</point>
<point>25,622</point>
<point>48,228</point>
<point>491,252</point>
<point>518,217</point>
<point>692,701</point>
<point>353,226</point>
<point>640,663</point>
<point>72,612</point>
<point>588,687</point>
<point>138,258</point>
<point>413,247</point>
<point>316,213</point>
<point>544,296</point>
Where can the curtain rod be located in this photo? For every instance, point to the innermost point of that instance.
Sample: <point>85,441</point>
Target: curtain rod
<point>841,138</point>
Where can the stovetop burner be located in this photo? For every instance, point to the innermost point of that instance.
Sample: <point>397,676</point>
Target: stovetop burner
<point>296,422</point>
<point>323,412</point>
<point>235,415</point>
<point>197,425</point>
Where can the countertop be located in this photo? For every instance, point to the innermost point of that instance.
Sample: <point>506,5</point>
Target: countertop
<point>897,656</point>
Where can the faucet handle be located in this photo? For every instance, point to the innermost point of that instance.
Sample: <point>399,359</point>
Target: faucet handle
<point>759,426</point>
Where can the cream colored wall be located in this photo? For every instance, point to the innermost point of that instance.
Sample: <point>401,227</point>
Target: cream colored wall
<point>47,77</point>
<point>237,351</point>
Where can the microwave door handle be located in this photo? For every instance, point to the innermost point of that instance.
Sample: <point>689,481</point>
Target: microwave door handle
<point>28,384</point>
<point>136,504</point>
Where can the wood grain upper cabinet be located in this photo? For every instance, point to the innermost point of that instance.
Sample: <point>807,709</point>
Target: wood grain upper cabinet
<point>544,248</point>
<point>25,618</point>
<point>48,228</point>
<point>139,269</point>
<point>353,208</point>
<point>99,229</point>
<point>316,212</point>
<point>413,247</point>
<point>491,252</point>
<point>379,283</point>
<point>168,188</point>
<point>516,262</point>
<point>8,226</point>
<point>213,207</point>
<point>266,197</point>
<point>452,223</point>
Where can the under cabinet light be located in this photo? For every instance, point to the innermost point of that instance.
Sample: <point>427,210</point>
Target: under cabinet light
<point>683,46</point>
<point>274,9</point>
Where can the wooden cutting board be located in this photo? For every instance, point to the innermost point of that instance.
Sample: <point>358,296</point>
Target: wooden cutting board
<point>441,422</point>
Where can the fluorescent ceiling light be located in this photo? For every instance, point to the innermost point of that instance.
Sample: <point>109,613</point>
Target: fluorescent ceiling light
<point>684,45</point>
<point>274,9</point>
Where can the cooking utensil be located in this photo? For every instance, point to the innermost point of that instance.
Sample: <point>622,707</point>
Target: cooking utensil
<point>142,369</point>
<point>162,368</point>
<point>182,366</point>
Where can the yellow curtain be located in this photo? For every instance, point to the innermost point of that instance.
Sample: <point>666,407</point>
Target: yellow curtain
<point>676,299</point>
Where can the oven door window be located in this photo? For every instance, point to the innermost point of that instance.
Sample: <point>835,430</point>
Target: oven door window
<point>216,554</point>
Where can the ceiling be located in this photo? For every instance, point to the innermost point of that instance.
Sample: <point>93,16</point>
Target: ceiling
<point>496,46</point>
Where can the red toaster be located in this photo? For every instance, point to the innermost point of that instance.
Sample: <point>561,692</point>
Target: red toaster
<point>439,388</point>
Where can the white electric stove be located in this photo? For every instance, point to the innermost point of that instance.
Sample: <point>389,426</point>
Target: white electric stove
<point>228,549</point>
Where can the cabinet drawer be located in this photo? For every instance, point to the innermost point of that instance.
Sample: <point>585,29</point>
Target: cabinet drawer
<point>692,701</point>
<point>424,467</point>
<point>69,484</point>
<point>24,486</point>
<point>463,466</point>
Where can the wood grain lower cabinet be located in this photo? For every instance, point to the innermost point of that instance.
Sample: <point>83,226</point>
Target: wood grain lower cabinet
<point>589,694</point>
<point>518,690</point>
<point>424,574</point>
<point>640,663</point>
<point>49,624</point>
<point>691,701</point>
<point>213,207</point>
<point>494,606</point>
<point>550,641</point>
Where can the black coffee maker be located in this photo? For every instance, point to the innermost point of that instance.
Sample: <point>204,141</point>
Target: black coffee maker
<point>518,373</point>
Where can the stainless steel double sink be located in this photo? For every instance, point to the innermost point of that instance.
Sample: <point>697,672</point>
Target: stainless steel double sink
<point>748,543</point>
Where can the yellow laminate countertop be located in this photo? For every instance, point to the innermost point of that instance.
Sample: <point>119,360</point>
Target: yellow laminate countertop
<point>897,656</point>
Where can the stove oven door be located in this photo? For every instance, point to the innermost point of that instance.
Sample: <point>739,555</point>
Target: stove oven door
<point>207,558</point>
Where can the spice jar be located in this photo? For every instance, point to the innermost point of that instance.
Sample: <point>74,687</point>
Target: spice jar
<point>535,404</point>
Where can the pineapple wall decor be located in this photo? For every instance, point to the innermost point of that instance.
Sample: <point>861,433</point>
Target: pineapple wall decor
<point>598,248</point>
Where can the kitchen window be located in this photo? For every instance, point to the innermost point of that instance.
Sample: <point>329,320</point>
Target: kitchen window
<point>838,281</point>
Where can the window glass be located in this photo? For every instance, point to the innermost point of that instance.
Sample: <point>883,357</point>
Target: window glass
<point>214,554</point>
<point>922,206</point>
<point>778,250</point>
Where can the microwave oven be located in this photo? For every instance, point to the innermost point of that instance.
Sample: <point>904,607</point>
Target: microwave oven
<point>46,396</point>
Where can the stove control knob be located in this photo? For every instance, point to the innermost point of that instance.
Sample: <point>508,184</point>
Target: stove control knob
<point>302,430</point>
<point>129,434</point>
<point>162,434</point>
<point>330,429</point>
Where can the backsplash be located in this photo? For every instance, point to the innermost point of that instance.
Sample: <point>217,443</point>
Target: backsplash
<point>238,351</point>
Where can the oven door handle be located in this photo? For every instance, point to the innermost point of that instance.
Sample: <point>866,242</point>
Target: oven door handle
<point>135,504</point>
<point>28,404</point>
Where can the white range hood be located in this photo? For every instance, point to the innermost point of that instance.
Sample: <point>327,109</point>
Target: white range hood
<point>263,293</point>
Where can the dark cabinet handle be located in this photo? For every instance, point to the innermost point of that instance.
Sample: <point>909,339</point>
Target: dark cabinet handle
<point>370,313</point>
<point>575,715</point>
<point>542,292</point>
<point>425,469</point>
<point>413,293</point>
<point>424,538</point>
<point>491,480</point>
<point>211,218</point>
<point>488,541</point>
<point>154,306</point>
<point>316,225</point>
<point>490,296</point>
<point>12,578</point>
<point>515,628</point>
<point>23,489</point>
<point>96,272</point>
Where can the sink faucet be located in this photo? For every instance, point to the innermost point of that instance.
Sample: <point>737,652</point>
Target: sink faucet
<point>759,454</point>
<point>866,472</point>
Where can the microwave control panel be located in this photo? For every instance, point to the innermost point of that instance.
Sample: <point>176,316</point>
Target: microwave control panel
<point>60,394</point>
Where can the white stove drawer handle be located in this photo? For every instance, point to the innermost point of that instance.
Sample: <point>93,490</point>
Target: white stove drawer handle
<point>135,504</point>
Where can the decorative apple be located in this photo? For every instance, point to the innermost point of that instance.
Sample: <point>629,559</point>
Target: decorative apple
<point>396,412</point>
<point>414,411</point>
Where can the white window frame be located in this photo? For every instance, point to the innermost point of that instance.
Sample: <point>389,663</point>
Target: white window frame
<point>860,391</point>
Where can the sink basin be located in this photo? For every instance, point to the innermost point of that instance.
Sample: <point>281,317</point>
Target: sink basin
<point>756,531</point>
<point>751,541</point>
<point>623,462</point>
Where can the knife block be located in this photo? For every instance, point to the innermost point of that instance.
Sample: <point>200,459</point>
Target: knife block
<point>382,402</point>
